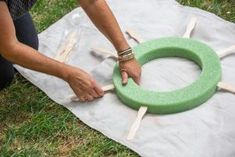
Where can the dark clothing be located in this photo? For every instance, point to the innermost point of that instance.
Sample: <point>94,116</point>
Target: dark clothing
<point>18,8</point>
<point>6,73</point>
<point>26,33</point>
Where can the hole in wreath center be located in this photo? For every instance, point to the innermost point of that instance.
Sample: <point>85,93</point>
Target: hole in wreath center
<point>168,74</point>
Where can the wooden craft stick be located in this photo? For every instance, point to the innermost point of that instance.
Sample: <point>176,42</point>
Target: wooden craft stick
<point>131,34</point>
<point>190,27</point>
<point>226,87</point>
<point>65,50</point>
<point>103,53</point>
<point>226,52</point>
<point>106,89</point>
<point>135,126</point>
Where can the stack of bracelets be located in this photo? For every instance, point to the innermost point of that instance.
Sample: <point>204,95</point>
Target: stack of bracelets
<point>125,55</point>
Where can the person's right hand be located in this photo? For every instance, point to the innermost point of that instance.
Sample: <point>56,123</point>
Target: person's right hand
<point>83,85</point>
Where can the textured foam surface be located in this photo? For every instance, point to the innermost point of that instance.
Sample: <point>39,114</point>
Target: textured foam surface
<point>181,99</point>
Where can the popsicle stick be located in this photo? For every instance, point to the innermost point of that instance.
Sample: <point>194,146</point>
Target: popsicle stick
<point>133,35</point>
<point>190,27</point>
<point>227,52</point>
<point>226,87</point>
<point>107,54</point>
<point>65,50</point>
<point>103,53</point>
<point>135,126</point>
<point>106,89</point>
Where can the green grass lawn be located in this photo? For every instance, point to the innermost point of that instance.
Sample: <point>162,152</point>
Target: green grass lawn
<point>32,125</point>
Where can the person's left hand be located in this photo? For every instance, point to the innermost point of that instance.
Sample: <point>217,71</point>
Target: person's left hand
<point>131,69</point>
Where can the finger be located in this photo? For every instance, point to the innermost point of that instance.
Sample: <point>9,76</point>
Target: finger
<point>94,94</point>
<point>136,79</point>
<point>124,77</point>
<point>89,98</point>
<point>79,95</point>
<point>82,98</point>
<point>99,90</point>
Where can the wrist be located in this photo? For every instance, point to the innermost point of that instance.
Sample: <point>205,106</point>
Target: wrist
<point>123,45</point>
<point>128,61</point>
<point>65,72</point>
<point>126,55</point>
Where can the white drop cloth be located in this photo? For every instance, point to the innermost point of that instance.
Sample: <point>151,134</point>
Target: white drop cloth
<point>206,131</point>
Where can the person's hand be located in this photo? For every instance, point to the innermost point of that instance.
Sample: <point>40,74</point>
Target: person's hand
<point>83,85</point>
<point>131,69</point>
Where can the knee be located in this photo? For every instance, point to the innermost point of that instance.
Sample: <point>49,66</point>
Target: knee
<point>6,80</point>
<point>6,75</point>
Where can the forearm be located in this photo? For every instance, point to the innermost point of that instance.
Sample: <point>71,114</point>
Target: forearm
<point>27,57</point>
<point>101,15</point>
<point>18,53</point>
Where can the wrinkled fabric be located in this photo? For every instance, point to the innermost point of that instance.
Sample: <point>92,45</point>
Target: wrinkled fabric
<point>206,131</point>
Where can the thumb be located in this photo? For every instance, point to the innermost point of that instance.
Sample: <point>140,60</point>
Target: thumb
<point>124,77</point>
<point>137,80</point>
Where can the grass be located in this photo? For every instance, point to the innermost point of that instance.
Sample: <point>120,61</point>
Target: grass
<point>32,125</point>
<point>222,8</point>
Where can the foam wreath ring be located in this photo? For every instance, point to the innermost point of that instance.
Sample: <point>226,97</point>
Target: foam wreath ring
<point>178,100</point>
